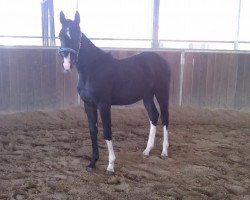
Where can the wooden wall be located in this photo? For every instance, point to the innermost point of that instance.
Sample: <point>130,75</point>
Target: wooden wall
<point>32,79</point>
<point>216,80</point>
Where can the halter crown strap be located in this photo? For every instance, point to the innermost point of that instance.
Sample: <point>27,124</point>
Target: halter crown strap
<point>61,50</point>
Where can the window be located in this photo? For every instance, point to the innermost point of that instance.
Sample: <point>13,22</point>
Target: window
<point>198,20</point>
<point>244,29</point>
<point>111,22</point>
<point>20,18</point>
<point>188,24</point>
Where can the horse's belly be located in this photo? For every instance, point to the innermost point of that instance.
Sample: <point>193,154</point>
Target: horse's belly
<point>125,101</point>
<point>127,97</point>
<point>131,92</point>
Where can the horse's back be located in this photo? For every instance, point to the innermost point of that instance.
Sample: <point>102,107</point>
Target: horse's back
<point>138,76</point>
<point>160,70</point>
<point>159,67</point>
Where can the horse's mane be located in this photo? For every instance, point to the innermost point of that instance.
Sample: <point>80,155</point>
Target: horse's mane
<point>92,50</point>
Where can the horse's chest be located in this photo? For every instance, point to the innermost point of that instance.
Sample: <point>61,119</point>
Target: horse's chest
<point>87,92</point>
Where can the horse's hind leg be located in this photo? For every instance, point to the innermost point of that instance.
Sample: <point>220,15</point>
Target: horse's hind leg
<point>153,116</point>
<point>163,99</point>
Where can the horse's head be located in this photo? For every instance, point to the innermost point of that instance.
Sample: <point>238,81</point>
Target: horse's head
<point>70,37</point>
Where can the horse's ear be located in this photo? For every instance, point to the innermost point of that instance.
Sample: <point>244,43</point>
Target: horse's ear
<point>77,18</point>
<point>62,17</point>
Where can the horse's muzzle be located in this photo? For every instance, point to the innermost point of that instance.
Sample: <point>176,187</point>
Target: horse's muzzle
<point>69,58</point>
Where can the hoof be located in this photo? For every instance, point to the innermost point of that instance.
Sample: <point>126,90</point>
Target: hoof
<point>145,156</point>
<point>89,169</point>
<point>164,157</point>
<point>110,173</point>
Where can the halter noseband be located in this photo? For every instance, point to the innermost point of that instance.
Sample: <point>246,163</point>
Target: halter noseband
<point>69,50</point>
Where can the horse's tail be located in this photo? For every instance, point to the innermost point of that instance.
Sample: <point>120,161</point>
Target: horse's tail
<point>162,91</point>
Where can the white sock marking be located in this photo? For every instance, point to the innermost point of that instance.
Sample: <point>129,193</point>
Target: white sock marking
<point>111,156</point>
<point>66,62</point>
<point>151,139</point>
<point>165,142</point>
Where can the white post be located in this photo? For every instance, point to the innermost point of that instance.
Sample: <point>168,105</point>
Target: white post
<point>182,63</point>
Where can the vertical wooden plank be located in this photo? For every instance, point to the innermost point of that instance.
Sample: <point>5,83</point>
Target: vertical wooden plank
<point>210,79</point>
<point>75,82</point>
<point>199,79</point>
<point>204,80</point>
<point>187,79</point>
<point>5,80</point>
<point>59,81</point>
<point>195,85</point>
<point>31,64</point>
<point>73,95</point>
<point>48,81</point>
<point>175,64</point>
<point>244,95</point>
<point>232,64</point>
<point>217,81</point>
<point>226,57</point>
<point>67,87</point>
<point>220,87</point>
<point>21,67</point>
<point>222,92</point>
<point>14,79</point>
<point>173,58</point>
<point>247,81</point>
<point>215,101</point>
<point>1,82</point>
<point>239,96</point>
<point>2,65</point>
<point>243,86</point>
<point>37,79</point>
<point>44,80</point>
<point>51,78</point>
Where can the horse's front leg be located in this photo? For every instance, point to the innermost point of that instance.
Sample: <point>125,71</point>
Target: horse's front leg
<point>91,112</point>
<point>105,112</point>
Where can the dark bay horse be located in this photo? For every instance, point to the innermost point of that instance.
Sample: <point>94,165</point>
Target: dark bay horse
<point>105,81</point>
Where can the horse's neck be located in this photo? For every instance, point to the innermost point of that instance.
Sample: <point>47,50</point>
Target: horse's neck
<point>90,58</point>
<point>89,53</point>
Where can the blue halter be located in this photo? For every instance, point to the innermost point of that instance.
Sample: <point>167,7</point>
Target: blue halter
<point>62,50</point>
<point>68,50</point>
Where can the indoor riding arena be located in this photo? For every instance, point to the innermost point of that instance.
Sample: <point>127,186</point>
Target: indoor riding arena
<point>45,142</point>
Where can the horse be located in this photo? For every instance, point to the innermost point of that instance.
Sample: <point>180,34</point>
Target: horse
<point>105,81</point>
